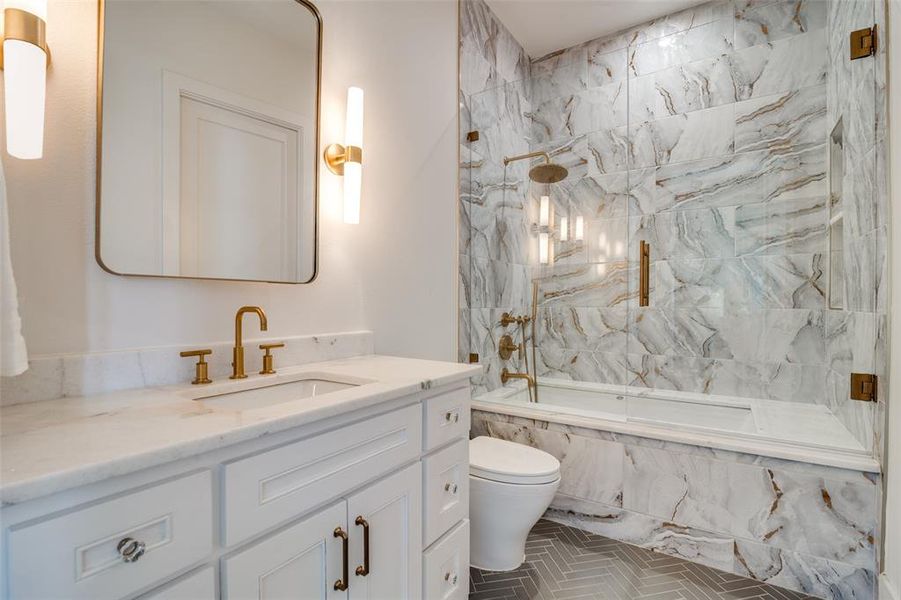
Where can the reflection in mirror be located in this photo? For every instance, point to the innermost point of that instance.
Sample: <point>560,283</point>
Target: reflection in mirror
<point>209,136</point>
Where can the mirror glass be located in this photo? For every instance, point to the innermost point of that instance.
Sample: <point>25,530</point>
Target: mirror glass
<point>209,131</point>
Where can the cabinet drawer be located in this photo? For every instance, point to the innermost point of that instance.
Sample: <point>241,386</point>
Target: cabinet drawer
<point>75,555</point>
<point>272,487</point>
<point>445,566</point>
<point>446,480</point>
<point>197,586</point>
<point>446,417</point>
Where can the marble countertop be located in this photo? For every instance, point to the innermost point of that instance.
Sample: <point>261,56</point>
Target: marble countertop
<point>47,447</point>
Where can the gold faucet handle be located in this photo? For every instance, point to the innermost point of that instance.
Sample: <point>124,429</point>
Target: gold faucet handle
<point>201,369</point>
<point>267,358</point>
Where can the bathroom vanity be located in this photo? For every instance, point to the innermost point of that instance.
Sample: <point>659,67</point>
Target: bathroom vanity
<point>342,479</point>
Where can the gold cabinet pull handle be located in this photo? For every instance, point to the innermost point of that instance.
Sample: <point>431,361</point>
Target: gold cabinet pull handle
<point>201,369</point>
<point>341,584</point>
<point>363,570</point>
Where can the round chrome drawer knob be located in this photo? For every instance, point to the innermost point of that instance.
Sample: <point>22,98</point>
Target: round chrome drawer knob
<point>450,487</point>
<point>130,549</point>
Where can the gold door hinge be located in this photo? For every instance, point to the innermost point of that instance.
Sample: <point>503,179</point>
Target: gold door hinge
<point>863,387</point>
<point>863,43</point>
<point>472,136</point>
<point>473,357</point>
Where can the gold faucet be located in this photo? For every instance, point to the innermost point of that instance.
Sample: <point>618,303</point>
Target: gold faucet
<point>507,376</point>
<point>238,350</point>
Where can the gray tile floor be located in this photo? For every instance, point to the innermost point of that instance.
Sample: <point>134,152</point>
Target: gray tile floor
<point>566,563</point>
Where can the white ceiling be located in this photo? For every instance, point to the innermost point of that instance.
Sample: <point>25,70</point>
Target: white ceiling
<point>542,26</point>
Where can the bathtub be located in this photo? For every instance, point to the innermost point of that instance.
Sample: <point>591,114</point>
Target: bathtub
<point>787,430</point>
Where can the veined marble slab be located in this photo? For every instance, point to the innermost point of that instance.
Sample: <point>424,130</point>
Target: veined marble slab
<point>153,426</point>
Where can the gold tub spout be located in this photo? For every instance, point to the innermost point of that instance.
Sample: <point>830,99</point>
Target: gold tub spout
<point>507,376</point>
<point>238,350</point>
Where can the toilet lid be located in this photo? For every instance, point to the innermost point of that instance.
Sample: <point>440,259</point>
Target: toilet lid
<point>509,462</point>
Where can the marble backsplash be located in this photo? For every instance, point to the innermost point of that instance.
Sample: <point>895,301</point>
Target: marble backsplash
<point>704,133</point>
<point>809,528</point>
<point>58,376</point>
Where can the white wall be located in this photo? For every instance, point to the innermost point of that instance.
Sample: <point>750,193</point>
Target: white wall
<point>394,273</point>
<point>891,577</point>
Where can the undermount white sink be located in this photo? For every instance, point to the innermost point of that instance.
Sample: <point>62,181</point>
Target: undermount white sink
<point>275,392</point>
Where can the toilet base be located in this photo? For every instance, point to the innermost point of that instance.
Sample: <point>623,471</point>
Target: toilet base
<point>500,570</point>
<point>501,517</point>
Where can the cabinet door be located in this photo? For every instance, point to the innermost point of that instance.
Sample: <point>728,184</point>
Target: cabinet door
<point>392,509</point>
<point>301,562</point>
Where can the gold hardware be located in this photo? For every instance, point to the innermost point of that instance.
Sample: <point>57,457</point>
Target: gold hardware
<point>267,357</point>
<point>24,26</point>
<point>238,350</point>
<point>452,417</point>
<point>98,161</point>
<point>644,276</point>
<point>201,369</point>
<point>863,43</point>
<point>507,376</point>
<point>341,584</point>
<point>507,319</point>
<point>337,154</point>
<point>363,570</point>
<point>473,357</point>
<point>863,387</point>
<point>506,347</point>
<point>450,487</point>
<point>472,136</point>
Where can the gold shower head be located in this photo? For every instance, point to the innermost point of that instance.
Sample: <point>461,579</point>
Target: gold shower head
<point>545,173</point>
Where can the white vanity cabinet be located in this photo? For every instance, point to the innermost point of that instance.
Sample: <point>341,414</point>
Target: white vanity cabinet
<point>371,504</point>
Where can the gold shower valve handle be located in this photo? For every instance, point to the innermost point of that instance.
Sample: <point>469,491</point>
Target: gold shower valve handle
<point>267,357</point>
<point>201,369</point>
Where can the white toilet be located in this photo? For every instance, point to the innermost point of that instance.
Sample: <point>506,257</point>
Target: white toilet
<point>510,487</point>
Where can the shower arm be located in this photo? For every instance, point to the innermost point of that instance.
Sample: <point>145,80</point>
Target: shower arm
<point>508,160</point>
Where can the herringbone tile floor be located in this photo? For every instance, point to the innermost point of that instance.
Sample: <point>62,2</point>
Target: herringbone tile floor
<point>567,563</point>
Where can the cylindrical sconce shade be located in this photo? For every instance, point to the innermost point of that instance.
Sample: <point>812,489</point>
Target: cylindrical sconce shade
<point>353,171</point>
<point>25,76</point>
<point>580,228</point>
<point>543,248</point>
<point>564,229</point>
<point>544,211</point>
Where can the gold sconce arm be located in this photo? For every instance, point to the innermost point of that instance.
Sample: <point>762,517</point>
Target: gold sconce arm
<point>22,25</point>
<point>337,154</point>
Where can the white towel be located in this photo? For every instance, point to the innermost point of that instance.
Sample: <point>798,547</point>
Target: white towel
<point>13,355</point>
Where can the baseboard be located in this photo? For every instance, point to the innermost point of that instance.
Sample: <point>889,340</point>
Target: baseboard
<point>887,589</point>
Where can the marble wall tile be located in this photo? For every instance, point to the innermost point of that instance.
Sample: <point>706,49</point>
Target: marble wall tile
<point>742,178</point>
<point>52,377</point>
<point>702,233</point>
<point>591,285</point>
<point>851,342</point>
<point>602,107</point>
<point>689,18</point>
<point>782,121</point>
<point>703,41</point>
<point>681,138</point>
<point>790,281</point>
<point>789,64</point>
<point>642,530</point>
<point>596,367</point>
<point>804,573</point>
<point>606,67</point>
<point>584,329</point>
<point>786,227</point>
<point>680,89</point>
<point>496,283</point>
<point>606,151</point>
<point>490,55</point>
<point>777,20</point>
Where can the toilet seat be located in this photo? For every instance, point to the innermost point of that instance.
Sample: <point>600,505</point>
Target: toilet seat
<point>509,462</point>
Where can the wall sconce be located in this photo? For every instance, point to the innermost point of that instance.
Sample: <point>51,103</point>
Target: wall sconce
<point>580,228</point>
<point>24,60</point>
<point>564,229</point>
<point>347,160</point>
